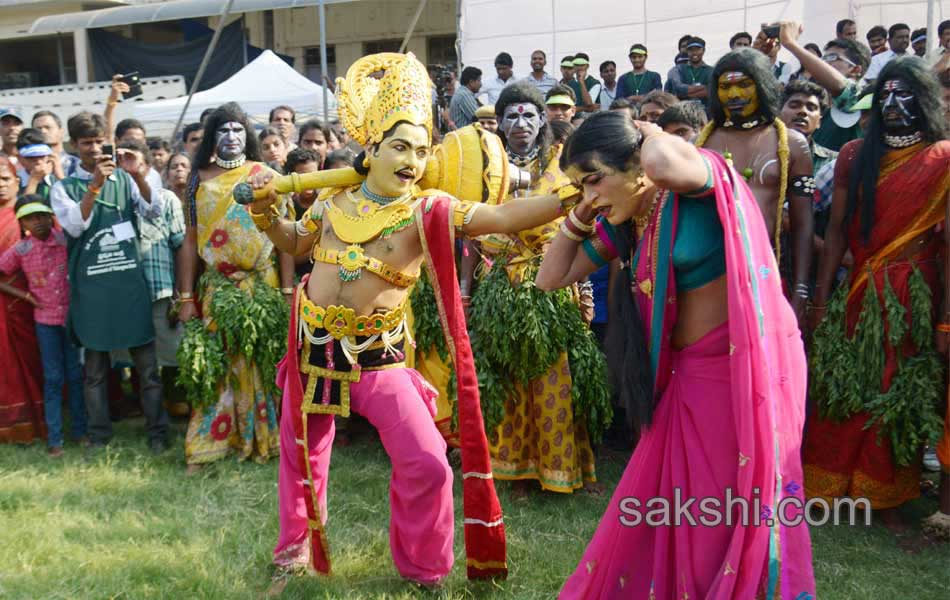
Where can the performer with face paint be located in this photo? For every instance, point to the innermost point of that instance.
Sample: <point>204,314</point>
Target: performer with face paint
<point>774,161</point>
<point>889,208</point>
<point>706,357</point>
<point>543,422</point>
<point>348,331</point>
<point>239,410</point>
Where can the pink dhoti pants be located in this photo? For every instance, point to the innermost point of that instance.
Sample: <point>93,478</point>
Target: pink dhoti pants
<point>401,406</point>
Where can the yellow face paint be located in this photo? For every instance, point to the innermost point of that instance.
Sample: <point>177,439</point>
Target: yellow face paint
<point>738,95</point>
<point>399,161</point>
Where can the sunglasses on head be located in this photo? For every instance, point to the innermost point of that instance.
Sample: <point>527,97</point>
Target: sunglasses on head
<point>831,57</point>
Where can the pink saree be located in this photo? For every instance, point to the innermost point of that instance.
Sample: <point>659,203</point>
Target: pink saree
<point>728,425</point>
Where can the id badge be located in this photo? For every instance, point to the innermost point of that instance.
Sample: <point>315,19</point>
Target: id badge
<point>123,231</point>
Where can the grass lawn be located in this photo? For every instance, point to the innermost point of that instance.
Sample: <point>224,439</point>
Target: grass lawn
<point>124,524</point>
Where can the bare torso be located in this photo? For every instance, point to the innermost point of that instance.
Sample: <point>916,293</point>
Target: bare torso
<point>756,149</point>
<point>370,293</point>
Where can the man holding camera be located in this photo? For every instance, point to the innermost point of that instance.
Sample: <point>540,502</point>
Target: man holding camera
<point>110,304</point>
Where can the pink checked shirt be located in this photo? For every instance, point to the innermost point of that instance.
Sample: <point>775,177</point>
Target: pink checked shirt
<point>44,264</point>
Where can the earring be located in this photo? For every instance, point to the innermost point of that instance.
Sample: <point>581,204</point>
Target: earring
<point>365,162</point>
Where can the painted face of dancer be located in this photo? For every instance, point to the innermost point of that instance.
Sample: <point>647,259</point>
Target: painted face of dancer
<point>398,161</point>
<point>738,95</point>
<point>521,124</point>
<point>617,195</point>
<point>230,140</point>
<point>899,108</point>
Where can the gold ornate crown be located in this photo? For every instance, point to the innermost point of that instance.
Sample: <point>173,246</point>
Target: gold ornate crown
<point>369,105</point>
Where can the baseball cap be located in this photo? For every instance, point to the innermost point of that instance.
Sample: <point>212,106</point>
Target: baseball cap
<point>637,49</point>
<point>560,99</point>
<point>696,42</point>
<point>32,208</point>
<point>10,112</point>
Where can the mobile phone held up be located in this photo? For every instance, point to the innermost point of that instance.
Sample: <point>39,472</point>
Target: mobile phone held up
<point>771,31</point>
<point>135,85</point>
<point>108,151</point>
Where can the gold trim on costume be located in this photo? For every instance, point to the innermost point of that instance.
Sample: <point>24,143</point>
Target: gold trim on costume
<point>340,321</point>
<point>353,259</point>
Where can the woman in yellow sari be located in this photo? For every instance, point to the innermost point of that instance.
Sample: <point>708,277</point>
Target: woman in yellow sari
<point>236,401</point>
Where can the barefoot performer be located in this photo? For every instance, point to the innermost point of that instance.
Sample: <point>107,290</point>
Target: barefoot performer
<point>348,329</point>
<point>708,360</point>
<point>892,193</point>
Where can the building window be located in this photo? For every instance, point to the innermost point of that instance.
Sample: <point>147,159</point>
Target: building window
<point>311,63</point>
<point>440,50</point>
<point>377,46</point>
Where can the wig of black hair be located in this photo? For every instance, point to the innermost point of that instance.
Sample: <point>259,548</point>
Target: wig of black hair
<point>519,92</point>
<point>862,182</point>
<point>611,139</point>
<point>226,113</point>
<point>756,65</point>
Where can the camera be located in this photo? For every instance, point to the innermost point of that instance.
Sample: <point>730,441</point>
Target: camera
<point>135,85</point>
<point>771,31</point>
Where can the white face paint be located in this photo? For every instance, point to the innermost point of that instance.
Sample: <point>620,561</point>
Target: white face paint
<point>521,123</point>
<point>230,140</point>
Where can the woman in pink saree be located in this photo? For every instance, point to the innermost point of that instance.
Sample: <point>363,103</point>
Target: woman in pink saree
<point>708,359</point>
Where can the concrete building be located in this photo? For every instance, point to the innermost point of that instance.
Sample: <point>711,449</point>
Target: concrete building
<point>57,50</point>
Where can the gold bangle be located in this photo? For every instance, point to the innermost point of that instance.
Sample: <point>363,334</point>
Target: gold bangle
<point>570,234</point>
<point>575,220</point>
<point>266,220</point>
<point>943,327</point>
<point>288,290</point>
<point>183,300</point>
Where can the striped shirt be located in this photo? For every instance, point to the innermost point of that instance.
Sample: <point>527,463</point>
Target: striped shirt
<point>463,106</point>
<point>159,238</point>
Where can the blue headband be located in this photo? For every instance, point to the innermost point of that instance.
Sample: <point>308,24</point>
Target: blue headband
<point>35,151</point>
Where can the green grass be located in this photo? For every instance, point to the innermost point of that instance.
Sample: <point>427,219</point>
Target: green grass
<point>124,524</point>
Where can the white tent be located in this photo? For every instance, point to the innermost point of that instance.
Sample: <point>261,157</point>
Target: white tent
<point>264,83</point>
<point>605,29</point>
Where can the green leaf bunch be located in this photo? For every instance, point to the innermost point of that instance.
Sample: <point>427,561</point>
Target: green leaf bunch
<point>251,323</point>
<point>847,373</point>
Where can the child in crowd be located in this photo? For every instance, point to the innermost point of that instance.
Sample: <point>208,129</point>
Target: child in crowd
<point>42,258</point>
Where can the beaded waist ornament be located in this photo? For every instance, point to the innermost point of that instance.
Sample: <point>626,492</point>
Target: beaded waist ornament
<point>338,345</point>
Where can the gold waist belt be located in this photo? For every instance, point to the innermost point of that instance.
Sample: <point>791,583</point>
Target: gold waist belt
<point>341,323</point>
<point>353,259</point>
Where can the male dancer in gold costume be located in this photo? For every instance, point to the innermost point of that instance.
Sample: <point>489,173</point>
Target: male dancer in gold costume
<point>348,330</point>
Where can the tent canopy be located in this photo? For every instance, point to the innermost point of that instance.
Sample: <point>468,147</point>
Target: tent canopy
<point>264,83</point>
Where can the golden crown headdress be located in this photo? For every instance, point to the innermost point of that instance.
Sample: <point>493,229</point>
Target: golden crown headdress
<point>369,106</point>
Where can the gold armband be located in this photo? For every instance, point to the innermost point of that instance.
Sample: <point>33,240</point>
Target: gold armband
<point>265,220</point>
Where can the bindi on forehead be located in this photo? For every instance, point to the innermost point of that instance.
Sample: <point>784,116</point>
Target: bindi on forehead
<point>733,77</point>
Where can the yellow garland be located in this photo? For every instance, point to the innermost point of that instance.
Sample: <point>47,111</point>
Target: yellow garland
<point>782,132</point>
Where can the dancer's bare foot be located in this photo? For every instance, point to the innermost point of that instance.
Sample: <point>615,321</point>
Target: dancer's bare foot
<point>192,470</point>
<point>520,489</point>
<point>892,520</point>
<point>594,488</point>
